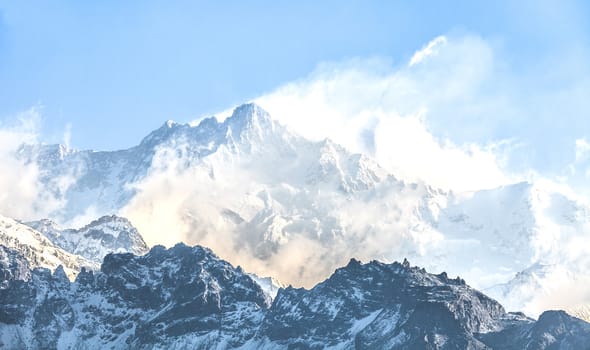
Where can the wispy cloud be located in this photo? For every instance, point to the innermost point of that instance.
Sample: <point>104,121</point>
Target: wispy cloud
<point>269,222</point>
<point>386,111</point>
<point>22,193</point>
<point>429,50</point>
<point>461,114</point>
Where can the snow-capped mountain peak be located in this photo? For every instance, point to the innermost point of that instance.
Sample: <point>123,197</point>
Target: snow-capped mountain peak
<point>246,121</point>
<point>269,285</point>
<point>250,116</point>
<point>162,134</point>
<point>108,234</point>
<point>37,249</point>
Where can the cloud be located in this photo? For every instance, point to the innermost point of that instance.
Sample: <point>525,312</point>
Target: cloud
<point>22,193</point>
<point>429,50</point>
<point>387,111</point>
<point>67,136</point>
<point>405,147</point>
<point>18,183</point>
<point>582,158</point>
<point>577,172</point>
<point>273,222</point>
<point>471,94</point>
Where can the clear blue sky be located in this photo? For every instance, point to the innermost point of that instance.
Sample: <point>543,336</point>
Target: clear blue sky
<point>115,70</point>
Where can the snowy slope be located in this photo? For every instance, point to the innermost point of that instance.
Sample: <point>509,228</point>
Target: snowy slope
<point>281,205</point>
<point>38,250</point>
<point>270,286</point>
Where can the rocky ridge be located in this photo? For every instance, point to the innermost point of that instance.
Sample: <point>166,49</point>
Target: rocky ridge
<point>187,297</point>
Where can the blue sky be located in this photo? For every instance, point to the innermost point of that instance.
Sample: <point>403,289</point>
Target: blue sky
<point>508,94</point>
<point>116,70</point>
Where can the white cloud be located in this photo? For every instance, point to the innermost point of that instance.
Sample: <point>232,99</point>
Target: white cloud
<point>22,195</point>
<point>578,171</point>
<point>428,120</point>
<point>429,50</point>
<point>18,183</point>
<point>373,108</point>
<point>67,136</point>
<point>288,228</point>
<point>404,145</point>
<point>582,150</point>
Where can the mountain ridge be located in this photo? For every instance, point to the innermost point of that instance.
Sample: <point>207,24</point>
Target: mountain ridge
<point>187,297</point>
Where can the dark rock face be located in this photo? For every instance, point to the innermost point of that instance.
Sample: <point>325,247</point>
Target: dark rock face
<point>135,301</point>
<point>186,297</point>
<point>359,304</point>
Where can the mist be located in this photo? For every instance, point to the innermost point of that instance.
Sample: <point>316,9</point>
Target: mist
<point>23,195</point>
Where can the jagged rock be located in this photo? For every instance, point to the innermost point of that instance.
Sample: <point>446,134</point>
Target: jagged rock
<point>186,297</point>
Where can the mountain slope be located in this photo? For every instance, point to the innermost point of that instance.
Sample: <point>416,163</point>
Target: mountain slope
<point>186,297</point>
<point>24,247</point>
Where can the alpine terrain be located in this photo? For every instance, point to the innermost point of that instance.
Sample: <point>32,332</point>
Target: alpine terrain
<point>186,297</point>
<point>277,204</point>
<point>281,205</point>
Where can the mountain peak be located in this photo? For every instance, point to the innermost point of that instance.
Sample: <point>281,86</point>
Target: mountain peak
<point>249,115</point>
<point>248,111</point>
<point>247,118</point>
<point>162,133</point>
<point>111,220</point>
<point>107,234</point>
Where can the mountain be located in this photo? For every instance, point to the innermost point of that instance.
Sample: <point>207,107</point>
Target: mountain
<point>248,179</point>
<point>285,206</point>
<point>13,266</point>
<point>186,297</point>
<point>22,247</point>
<point>108,234</point>
<point>43,243</point>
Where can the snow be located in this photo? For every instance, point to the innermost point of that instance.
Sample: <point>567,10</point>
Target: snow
<point>38,250</point>
<point>270,286</point>
<point>359,325</point>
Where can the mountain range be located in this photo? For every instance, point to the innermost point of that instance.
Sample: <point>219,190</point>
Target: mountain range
<point>186,297</point>
<point>278,204</point>
<point>281,205</point>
